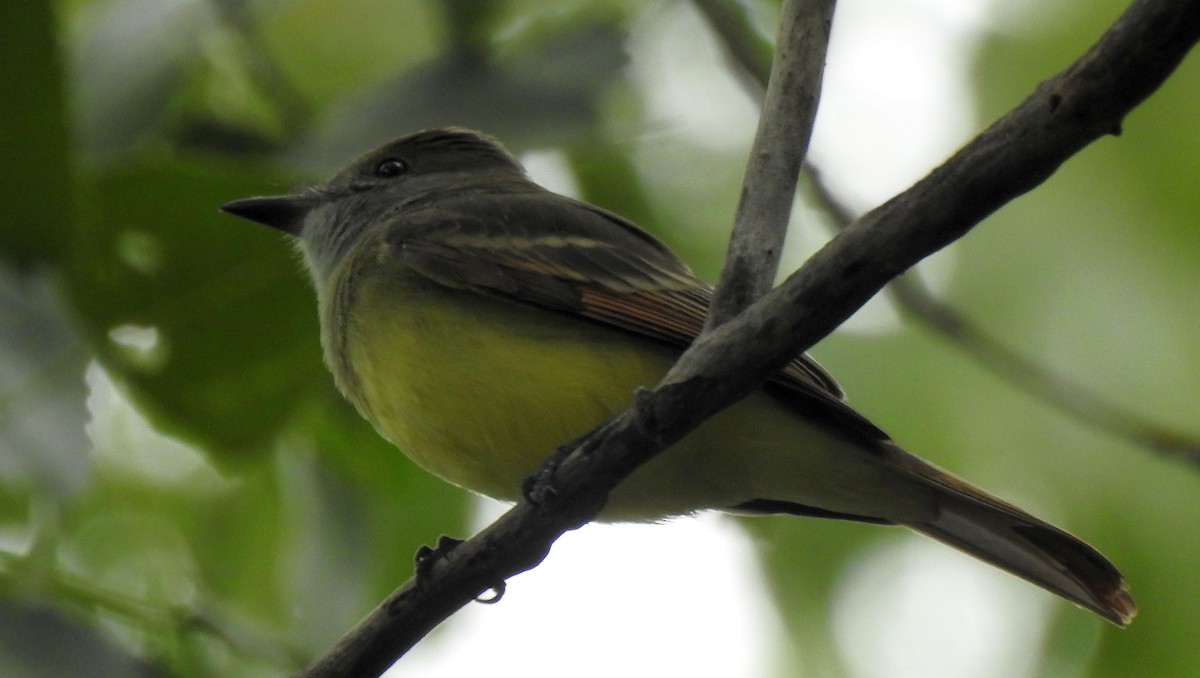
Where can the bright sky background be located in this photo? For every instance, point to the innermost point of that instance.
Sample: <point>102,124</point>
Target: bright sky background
<point>686,598</point>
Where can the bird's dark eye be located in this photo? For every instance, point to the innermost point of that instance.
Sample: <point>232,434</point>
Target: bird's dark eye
<point>390,167</point>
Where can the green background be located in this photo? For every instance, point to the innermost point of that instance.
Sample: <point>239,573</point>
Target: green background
<point>222,512</point>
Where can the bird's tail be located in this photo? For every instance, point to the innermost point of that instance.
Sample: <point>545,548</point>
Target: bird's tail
<point>992,530</point>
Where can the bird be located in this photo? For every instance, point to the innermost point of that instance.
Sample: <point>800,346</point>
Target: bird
<point>478,321</point>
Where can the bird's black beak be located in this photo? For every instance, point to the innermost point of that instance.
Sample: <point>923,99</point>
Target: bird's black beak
<point>283,212</point>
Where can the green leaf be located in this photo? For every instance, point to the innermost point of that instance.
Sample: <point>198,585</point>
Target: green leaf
<point>205,320</point>
<point>35,204</point>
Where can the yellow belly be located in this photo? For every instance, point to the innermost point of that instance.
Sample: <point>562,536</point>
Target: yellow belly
<point>479,391</point>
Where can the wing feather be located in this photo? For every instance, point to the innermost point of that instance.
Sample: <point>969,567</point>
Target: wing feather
<point>571,257</point>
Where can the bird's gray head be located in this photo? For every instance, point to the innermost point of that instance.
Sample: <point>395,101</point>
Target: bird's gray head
<point>328,220</point>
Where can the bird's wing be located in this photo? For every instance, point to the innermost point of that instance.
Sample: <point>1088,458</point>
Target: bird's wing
<point>571,257</point>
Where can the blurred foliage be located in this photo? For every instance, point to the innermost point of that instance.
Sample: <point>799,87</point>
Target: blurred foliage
<point>183,493</point>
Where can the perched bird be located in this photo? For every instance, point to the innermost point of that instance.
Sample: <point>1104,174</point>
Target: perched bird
<point>479,321</point>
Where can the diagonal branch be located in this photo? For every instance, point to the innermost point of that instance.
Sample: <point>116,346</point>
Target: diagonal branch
<point>1011,157</point>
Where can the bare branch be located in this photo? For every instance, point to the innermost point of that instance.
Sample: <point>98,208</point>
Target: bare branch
<point>780,145</point>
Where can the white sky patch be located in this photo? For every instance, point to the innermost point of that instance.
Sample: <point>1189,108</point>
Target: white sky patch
<point>896,101</point>
<point>679,599</point>
<point>897,95</point>
<point>913,608</point>
<point>550,169</point>
<point>685,81</point>
<point>124,439</point>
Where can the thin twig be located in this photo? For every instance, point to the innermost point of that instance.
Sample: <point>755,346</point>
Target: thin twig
<point>780,144</point>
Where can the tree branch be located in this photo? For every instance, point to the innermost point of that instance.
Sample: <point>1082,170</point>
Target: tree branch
<point>1015,154</point>
<point>780,144</point>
